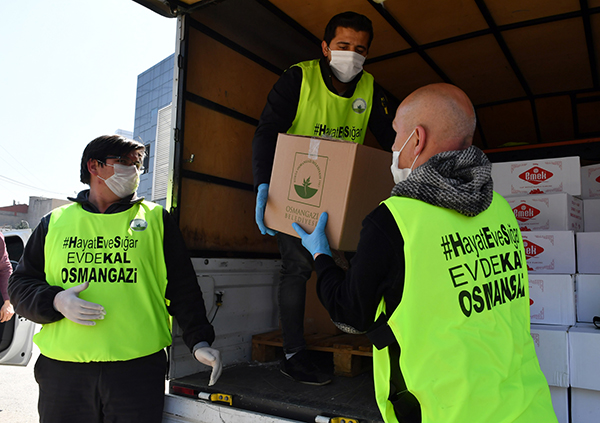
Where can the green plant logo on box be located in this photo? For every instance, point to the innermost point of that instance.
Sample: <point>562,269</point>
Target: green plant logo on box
<point>308,177</point>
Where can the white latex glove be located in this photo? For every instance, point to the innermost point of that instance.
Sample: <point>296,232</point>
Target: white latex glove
<point>76,309</point>
<point>212,358</point>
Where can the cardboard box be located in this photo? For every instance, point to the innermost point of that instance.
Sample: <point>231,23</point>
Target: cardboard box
<point>584,356</point>
<point>548,176</point>
<point>590,181</point>
<point>591,215</point>
<point>552,349</point>
<point>588,252</point>
<point>550,251</point>
<point>585,406</point>
<point>588,297</point>
<point>560,403</point>
<point>548,212</point>
<point>313,175</point>
<point>552,299</point>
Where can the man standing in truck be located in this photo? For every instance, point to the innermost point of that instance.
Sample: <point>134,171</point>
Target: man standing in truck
<point>102,275</point>
<point>452,341</point>
<point>331,97</point>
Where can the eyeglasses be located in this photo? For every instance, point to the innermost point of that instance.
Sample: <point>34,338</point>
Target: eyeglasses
<point>126,161</point>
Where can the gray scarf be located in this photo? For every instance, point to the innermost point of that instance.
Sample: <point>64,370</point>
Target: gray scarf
<point>459,180</point>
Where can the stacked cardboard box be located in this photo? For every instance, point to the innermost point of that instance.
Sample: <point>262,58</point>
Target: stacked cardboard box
<point>552,348</point>
<point>584,337</point>
<point>543,196</point>
<point>584,352</point>
<point>557,205</point>
<point>590,192</point>
<point>588,246</point>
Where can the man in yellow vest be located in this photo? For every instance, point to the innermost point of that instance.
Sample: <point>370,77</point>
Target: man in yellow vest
<point>331,97</point>
<point>439,279</point>
<point>102,275</point>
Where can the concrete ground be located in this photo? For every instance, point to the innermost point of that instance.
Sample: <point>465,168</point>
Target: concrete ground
<point>19,392</point>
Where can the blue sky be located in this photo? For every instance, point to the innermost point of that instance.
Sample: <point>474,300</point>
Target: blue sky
<point>68,74</point>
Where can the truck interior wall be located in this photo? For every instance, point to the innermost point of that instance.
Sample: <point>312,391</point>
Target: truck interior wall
<point>494,119</point>
<point>552,112</point>
<point>225,92</point>
<point>316,318</point>
<point>565,35</point>
<point>249,293</point>
<point>219,219</point>
<point>215,140</point>
<point>227,77</point>
<point>556,118</point>
<point>260,27</point>
<point>536,64</point>
<point>232,63</point>
<point>588,120</point>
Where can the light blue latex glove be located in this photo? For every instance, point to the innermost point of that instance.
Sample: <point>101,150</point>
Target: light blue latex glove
<point>315,243</point>
<point>261,203</point>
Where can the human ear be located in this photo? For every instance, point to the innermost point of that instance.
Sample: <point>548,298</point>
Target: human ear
<point>421,140</point>
<point>324,48</point>
<point>92,166</point>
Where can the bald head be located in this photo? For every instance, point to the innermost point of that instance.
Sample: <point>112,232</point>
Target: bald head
<point>446,114</point>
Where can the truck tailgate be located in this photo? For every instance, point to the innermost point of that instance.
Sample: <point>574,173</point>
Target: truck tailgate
<point>262,388</point>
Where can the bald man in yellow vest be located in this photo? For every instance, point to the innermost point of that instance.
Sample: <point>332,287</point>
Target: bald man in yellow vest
<point>452,342</point>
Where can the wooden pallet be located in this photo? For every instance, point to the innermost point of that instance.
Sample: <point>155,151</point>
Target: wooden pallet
<point>352,354</point>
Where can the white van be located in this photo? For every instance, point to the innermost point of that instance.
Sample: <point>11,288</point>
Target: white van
<point>16,334</point>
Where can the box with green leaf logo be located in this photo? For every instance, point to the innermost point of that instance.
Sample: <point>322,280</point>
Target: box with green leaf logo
<point>312,175</point>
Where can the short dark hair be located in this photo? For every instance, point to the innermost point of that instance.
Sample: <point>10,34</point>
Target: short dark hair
<point>352,20</point>
<point>106,145</point>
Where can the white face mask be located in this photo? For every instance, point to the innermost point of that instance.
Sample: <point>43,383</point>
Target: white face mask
<point>124,181</point>
<point>401,174</point>
<point>346,64</point>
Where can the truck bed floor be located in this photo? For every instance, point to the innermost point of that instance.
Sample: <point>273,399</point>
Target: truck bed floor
<point>261,387</point>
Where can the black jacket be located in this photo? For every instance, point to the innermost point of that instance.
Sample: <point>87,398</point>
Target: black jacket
<point>455,180</point>
<point>376,271</point>
<point>33,297</point>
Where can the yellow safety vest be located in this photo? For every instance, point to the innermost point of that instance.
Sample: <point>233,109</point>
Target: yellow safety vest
<point>466,353</point>
<point>322,113</point>
<point>122,257</point>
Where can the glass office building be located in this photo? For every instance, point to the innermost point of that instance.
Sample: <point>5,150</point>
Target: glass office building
<point>154,92</point>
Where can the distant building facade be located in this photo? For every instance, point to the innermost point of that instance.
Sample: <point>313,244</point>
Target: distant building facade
<point>20,216</point>
<point>12,216</point>
<point>124,133</point>
<point>154,92</point>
